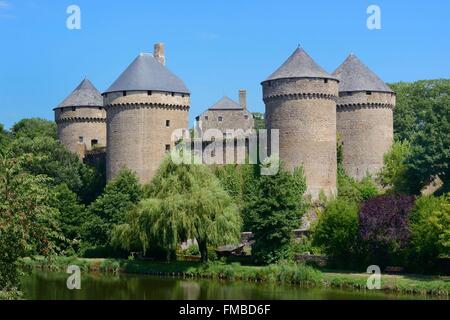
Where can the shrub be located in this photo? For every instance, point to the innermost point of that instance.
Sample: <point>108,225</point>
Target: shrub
<point>384,227</point>
<point>337,231</point>
<point>351,190</point>
<point>430,227</point>
<point>393,175</point>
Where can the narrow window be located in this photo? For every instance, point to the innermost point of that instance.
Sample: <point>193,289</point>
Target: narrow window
<point>167,123</point>
<point>269,83</point>
<point>167,147</point>
<point>369,93</point>
<point>206,118</point>
<point>80,139</point>
<point>326,81</point>
<point>173,94</point>
<point>149,93</point>
<point>100,108</point>
<point>74,109</point>
<point>124,93</point>
<point>220,119</point>
<point>246,117</point>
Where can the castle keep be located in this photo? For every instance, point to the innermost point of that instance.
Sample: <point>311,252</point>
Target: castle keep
<point>138,113</point>
<point>300,100</point>
<point>144,106</point>
<point>81,119</point>
<point>364,118</point>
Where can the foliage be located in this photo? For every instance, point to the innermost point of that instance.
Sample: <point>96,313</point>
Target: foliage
<point>336,231</point>
<point>430,227</point>
<point>422,116</point>
<point>5,138</point>
<point>260,122</point>
<point>384,227</point>
<point>276,211</point>
<point>393,176</point>
<point>185,202</point>
<point>27,222</point>
<point>33,128</point>
<point>110,209</point>
<point>351,190</point>
<point>70,218</point>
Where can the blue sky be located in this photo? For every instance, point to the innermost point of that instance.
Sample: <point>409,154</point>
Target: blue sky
<point>215,46</point>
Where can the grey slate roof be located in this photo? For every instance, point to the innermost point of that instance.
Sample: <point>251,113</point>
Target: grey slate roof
<point>85,95</point>
<point>226,104</point>
<point>300,65</point>
<point>146,73</point>
<point>354,75</point>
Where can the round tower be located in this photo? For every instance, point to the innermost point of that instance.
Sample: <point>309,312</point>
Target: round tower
<point>300,99</point>
<point>144,106</point>
<point>364,118</point>
<point>81,119</point>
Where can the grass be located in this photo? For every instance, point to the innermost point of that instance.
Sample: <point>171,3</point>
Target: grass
<point>280,273</point>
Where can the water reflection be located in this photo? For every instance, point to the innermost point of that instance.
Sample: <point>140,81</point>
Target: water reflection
<point>52,286</point>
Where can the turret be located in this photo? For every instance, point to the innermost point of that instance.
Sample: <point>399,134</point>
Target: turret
<point>300,99</point>
<point>364,118</point>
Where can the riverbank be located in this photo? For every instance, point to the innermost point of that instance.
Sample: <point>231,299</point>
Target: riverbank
<point>283,273</point>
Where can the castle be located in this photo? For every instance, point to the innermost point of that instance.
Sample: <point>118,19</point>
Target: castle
<point>135,117</point>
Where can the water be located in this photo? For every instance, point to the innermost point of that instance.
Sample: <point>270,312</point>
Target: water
<point>52,286</point>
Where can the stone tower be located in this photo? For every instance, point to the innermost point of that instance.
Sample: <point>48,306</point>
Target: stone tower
<point>364,118</point>
<point>300,99</point>
<point>81,119</point>
<point>144,106</point>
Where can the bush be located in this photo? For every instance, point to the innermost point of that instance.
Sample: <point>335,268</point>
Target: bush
<point>393,175</point>
<point>384,228</point>
<point>354,191</point>
<point>336,232</point>
<point>430,227</point>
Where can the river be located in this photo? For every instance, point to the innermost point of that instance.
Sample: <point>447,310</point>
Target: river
<point>99,286</point>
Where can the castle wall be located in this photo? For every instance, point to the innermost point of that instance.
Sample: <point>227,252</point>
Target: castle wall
<point>86,122</point>
<point>304,111</point>
<point>231,119</point>
<point>365,124</point>
<point>138,132</point>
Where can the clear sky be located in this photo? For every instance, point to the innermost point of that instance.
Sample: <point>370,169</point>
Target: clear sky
<point>215,46</point>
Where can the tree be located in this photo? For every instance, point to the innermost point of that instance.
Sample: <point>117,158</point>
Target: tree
<point>337,231</point>
<point>27,221</point>
<point>354,191</point>
<point>422,116</point>
<point>184,202</point>
<point>259,120</point>
<point>430,228</point>
<point>70,217</point>
<point>393,176</point>
<point>5,139</point>
<point>111,208</point>
<point>33,128</point>
<point>384,227</point>
<point>276,212</point>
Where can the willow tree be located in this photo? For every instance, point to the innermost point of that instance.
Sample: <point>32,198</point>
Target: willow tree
<point>182,202</point>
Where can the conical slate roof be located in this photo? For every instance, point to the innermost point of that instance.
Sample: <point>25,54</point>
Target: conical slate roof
<point>354,75</point>
<point>146,73</point>
<point>225,104</point>
<point>85,95</point>
<point>300,65</point>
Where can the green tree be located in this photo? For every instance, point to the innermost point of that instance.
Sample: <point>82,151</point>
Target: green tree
<point>184,202</point>
<point>336,231</point>
<point>33,128</point>
<point>430,228</point>
<point>393,176</point>
<point>260,122</point>
<point>5,139</point>
<point>71,216</point>
<point>422,117</point>
<point>111,208</point>
<point>27,221</point>
<point>275,213</point>
<point>351,190</point>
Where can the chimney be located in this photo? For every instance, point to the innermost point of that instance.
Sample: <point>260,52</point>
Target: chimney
<point>243,98</point>
<point>159,53</point>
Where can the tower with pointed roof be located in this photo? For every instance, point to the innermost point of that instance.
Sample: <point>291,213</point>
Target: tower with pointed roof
<point>300,99</point>
<point>144,106</point>
<point>81,119</point>
<point>364,118</point>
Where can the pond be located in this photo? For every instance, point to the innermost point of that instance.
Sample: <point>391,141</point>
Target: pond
<point>98,286</point>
